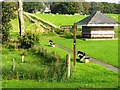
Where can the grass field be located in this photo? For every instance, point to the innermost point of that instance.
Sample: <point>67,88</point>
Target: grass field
<point>104,50</point>
<point>33,73</point>
<point>86,76</point>
<point>60,19</point>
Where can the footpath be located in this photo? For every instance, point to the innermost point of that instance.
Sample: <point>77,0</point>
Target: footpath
<point>95,61</point>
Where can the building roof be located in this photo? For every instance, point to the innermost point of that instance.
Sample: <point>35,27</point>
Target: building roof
<point>97,19</point>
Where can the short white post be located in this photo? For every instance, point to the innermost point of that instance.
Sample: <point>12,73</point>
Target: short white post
<point>13,64</point>
<point>22,58</point>
<point>68,65</point>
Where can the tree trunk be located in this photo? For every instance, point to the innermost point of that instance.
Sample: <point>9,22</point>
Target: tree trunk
<point>20,17</point>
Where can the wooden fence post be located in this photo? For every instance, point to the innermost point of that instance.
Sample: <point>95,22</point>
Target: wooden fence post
<point>13,64</point>
<point>68,65</point>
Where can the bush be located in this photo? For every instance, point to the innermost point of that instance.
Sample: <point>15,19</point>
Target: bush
<point>29,39</point>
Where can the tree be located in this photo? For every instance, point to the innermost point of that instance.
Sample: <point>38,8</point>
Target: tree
<point>117,8</point>
<point>86,7</point>
<point>100,6</point>
<point>33,7</point>
<point>20,17</point>
<point>109,7</point>
<point>63,7</point>
<point>8,13</point>
<point>93,7</point>
<point>79,7</point>
<point>55,7</point>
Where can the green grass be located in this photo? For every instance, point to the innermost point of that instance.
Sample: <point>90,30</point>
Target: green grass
<point>14,32</point>
<point>104,50</point>
<point>45,43</point>
<point>60,20</point>
<point>114,16</point>
<point>86,76</point>
<point>79,81</point>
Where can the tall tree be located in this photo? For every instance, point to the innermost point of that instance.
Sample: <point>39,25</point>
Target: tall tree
<point>20,17</point>
<point>109,7</point>
<point>55,7</point>
<point>63,7</point>
<point>8,13</point>
<point>33,7</point>
<point>93,7</point>
<point>86,7</point>
<point>117,7</point>
<point>79,7</point>
<point>100,6</point>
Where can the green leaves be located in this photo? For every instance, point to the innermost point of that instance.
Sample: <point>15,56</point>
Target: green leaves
<point>8,9</point>
<point>29,39</point>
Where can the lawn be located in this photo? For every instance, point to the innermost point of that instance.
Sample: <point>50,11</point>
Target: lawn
<point>86,76</point>
<point>39,71</point>
<point>60,20</point>
<point>104,50</point>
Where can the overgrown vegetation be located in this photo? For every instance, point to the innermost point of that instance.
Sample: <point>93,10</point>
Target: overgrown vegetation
<point>44,65</point>
<point>8,13</point>
<point>29,39</point>
<point>38,65</point>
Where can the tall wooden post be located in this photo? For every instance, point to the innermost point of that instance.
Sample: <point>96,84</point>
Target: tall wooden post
<point>74,49</point>
<point>20,17</point>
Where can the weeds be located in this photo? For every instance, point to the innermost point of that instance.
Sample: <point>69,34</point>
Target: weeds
<point>39,65</point>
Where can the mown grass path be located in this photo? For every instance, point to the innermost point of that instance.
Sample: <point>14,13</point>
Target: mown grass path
<point>95,61</point>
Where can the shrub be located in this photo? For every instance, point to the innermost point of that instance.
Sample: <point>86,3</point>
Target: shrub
<point>29,39</point>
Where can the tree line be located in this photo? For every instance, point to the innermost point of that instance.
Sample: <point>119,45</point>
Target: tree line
<point>84,7</point>
<point>72,7</point>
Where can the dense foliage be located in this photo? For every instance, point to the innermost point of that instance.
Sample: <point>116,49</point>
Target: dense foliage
<point>8,9</point>
<point>29,39</point>
<point>63,7</point>
<point>33,7</point>
<point>83,7</point>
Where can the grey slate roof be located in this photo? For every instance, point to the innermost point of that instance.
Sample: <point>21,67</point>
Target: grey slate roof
<point>96,18</point>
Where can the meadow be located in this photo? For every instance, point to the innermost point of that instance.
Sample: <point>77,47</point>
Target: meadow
<point>39,70</point>
<point>61,20</point>
<point>39,75</point>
